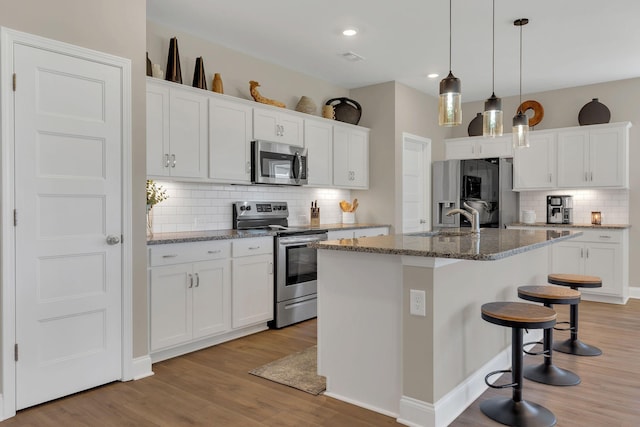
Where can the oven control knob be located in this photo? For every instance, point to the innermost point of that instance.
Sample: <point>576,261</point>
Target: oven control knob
<point>242,208</point>
<point>248,208</point>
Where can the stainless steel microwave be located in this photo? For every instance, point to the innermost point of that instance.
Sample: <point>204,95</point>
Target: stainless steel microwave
<point>275,163</point>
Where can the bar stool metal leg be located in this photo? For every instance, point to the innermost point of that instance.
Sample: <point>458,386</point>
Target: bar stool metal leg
<point>573,345</point>
<point>515,411</point>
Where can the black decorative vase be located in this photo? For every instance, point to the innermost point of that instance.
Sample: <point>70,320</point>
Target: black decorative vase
<point>346,110</point>
<point>594,113</point>
<point>199,80</point>
<point>475,126</point>
<point>174,73</point>
<point>149,72</point>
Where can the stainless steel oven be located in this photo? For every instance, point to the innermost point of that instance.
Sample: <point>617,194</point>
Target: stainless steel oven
<point>296,276</point>
<point>274,163</point>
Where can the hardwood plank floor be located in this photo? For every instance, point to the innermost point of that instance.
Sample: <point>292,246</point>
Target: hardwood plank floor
<point>212,387</point>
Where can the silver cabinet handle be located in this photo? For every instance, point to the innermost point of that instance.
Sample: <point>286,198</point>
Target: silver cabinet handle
<point>581,253</point>
<point>587,252</point>
<point>604,237</point>
<point>591,175</point>
<point>270,268</point>
<point>190,277</point>
<point>173,160</point>
<point>422,221</point>
<point>253,248</point>
<point>197,280</point>
<point>586,176</point>
<point>166,161</point>
<point>550,176</point>
<point>248,167</point>
<point>214,252</point>
<point>170,256</point>
<point>112,239</point>
<point>281,130</point>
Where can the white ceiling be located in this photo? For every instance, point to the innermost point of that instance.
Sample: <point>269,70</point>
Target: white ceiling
<point>566,43</point>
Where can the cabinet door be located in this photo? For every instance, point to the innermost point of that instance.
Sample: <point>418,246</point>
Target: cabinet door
<point>535,167</point>
<point>602,260</point>
<point>265,125</point>
<point>350,158</point>
<point>608,158</point>
<point>252,290</point>
<point>500,146</point>
<point>211,298</point>
<point>318,139</point>
<point>371,232</point>
<point>460,150</point>
<point>229,141</point>
<point>291,129</point>
<point>567,258</point>
<point>188,134</point>
<point>157,130</point>
<point>573,159</point>
<point>341,171</point>
<point>171,305</point>
<point>340,234</point>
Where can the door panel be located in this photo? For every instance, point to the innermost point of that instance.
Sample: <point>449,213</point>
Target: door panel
<point>68,138</point>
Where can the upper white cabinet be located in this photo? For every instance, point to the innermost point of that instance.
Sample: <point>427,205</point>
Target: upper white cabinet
<point>593,157</point>
<point>350,157</point>
<point>535,167</point>
<point>478,147</point>
<point>229,141</point>
<point>318,139</point>
<point>176,131</point>
<point>277,126</point>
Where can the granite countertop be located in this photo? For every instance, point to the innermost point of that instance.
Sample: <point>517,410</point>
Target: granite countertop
<point>545,225</point>
<point>490,244</point>
<point>199,236</point>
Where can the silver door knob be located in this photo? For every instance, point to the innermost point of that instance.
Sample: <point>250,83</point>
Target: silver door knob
<point>113,239</point>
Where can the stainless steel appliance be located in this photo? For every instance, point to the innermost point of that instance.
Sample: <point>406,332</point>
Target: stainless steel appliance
<point>296,267</point>
<point>484,184</point>
<point>559,209</point>
<point>274,163</point>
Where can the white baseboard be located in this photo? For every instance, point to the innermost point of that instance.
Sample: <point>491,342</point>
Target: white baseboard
<point>360,404</point>
<point>141,367</point>
<point>634,292</point>
<point>416,413</point>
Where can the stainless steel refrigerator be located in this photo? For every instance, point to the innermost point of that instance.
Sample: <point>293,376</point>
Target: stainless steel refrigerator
<point>484,184</point>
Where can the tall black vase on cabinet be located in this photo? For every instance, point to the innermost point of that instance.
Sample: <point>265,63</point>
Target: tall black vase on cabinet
<point>199,79</point>
<point>174,73</point>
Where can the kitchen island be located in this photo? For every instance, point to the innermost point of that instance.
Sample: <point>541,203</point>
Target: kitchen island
<point>422,369</point>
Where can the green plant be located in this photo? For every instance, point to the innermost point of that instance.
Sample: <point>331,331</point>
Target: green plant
<point>155,193</point>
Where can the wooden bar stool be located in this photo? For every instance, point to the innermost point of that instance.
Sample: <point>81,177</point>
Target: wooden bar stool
<point>547,372</point>
<point>515,411</point>
<point>573,345</point>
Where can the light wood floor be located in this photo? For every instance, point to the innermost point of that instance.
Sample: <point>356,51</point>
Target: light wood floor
<point>212,387</point>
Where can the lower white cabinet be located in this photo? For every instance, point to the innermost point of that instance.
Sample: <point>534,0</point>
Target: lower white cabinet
<point>357,233</point>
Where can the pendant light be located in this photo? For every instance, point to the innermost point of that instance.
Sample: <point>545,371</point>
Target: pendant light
<point>492,116</point>
<point>520,130</point>
<point>450,101</point>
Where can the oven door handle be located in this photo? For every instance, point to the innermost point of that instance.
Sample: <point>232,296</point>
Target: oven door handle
<point>289,241</point>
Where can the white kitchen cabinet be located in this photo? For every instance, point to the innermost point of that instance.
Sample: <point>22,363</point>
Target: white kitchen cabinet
<point>318,139</point>
<point>593,157</point>
<point>252,283</point>
<point>357,233</point>
<point>277,126</point>
<point>176,131</point>
<point>478,147</point>
<point>189,301</point>
<point>229,141</point>
<point>534,168</point>
<point>350,157</point>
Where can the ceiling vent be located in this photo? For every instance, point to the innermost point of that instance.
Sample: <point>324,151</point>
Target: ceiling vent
<point>352,57</point>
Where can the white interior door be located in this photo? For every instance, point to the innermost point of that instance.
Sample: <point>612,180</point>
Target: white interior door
<point>68,195</point>
<point>416,183</point>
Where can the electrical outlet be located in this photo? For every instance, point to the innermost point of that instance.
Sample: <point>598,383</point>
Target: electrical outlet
<point>418,303</point>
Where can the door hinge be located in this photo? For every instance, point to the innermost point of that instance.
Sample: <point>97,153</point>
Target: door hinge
<point>14,82</point>
<point>15,217</point>
<point>15,352</point>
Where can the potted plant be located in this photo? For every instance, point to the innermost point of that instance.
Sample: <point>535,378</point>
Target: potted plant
<point>155,194</point>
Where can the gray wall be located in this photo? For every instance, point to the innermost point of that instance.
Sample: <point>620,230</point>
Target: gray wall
<point>116,27</point>
<point>561,108</point>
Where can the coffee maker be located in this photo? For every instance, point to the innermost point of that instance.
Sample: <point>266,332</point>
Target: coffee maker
<point>559,209</point>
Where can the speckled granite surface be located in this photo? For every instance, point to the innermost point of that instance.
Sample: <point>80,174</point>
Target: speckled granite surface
<point>199,236</point>
<point>545,225</point>
<point>490,244</point>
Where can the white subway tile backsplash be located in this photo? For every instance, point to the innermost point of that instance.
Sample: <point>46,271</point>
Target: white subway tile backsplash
<point>201,206</point>
<point>613,204</point>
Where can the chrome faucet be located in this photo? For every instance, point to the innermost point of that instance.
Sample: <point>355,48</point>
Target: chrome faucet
<point>473,216</point>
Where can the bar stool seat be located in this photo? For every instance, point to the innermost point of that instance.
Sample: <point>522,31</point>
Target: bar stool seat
<point>573,345</point>
<point>515,411</point>
<point>547,372</point>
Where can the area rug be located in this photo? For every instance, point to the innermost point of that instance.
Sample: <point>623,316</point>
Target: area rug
<point>298,370</point>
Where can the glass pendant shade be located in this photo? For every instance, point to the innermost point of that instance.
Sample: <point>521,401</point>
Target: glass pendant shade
<point>450,102</point>
<point>520,131</point>
<point>492,117</point>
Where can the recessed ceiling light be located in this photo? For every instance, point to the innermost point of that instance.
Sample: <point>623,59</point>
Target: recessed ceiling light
<point>433,75</point>
<point>350,32</point>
